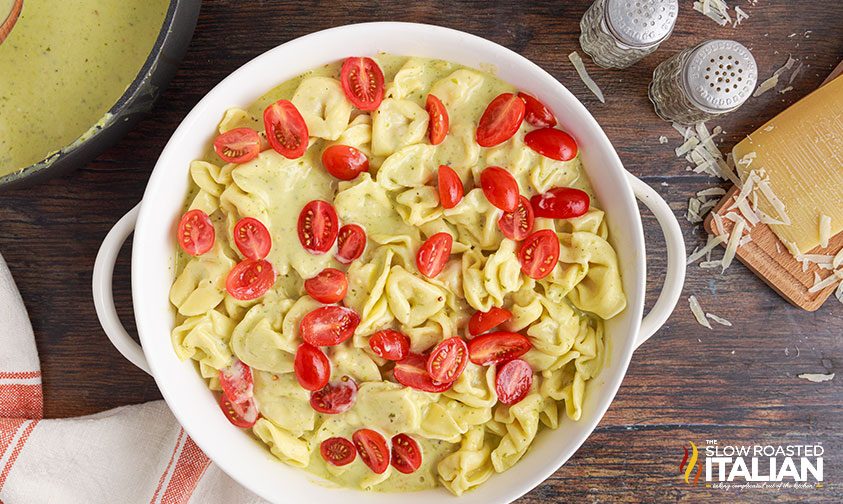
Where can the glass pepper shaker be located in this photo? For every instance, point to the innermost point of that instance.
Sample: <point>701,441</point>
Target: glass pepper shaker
<point>703,82</point>
<point>617,33</point>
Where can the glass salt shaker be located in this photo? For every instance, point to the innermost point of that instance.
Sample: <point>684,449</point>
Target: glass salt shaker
<point>703,82</point>
<point>617,33</point>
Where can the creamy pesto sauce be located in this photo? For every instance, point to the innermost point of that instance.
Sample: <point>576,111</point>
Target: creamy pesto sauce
<point>64,65</point>
<point>286,185</point>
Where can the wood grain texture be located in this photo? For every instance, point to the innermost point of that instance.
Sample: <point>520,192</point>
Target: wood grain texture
<point>768,257</point>
<point>687,383</point>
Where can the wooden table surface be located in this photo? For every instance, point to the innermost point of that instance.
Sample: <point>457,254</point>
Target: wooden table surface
<point>734,384</point>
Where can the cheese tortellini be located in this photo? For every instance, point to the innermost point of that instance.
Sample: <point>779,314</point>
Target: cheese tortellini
<point>466,434</point>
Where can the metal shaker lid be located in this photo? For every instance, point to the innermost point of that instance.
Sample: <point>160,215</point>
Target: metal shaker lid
<point>641,23</point>
<point>719,75</point>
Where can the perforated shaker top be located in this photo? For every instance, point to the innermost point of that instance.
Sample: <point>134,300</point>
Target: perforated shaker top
<point>641,23</point>
<point>720,75</point>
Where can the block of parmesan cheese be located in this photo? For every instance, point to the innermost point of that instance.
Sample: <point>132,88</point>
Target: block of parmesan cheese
<point>801,151</point>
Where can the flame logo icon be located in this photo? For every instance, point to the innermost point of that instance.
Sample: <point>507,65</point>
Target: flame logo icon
<point>689,468</point>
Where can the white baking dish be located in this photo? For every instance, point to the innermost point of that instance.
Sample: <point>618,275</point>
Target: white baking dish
<point>154,219</point>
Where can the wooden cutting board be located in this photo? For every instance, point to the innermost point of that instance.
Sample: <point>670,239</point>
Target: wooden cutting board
<point>768,258</point>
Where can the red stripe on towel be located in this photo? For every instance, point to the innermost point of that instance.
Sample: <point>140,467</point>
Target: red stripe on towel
<point>8,428</point>
<point>5,375</point>
<point>16,451</point>
<point>21,401</point>
<point>167,469</point>
<point>189,470</point>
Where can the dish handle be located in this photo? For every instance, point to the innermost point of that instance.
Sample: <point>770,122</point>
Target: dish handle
<point>652,322</point>
<point>104,295</point>
<point>675,277</point>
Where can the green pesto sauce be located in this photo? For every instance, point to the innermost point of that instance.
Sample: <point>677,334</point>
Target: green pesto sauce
<point>64,65</point>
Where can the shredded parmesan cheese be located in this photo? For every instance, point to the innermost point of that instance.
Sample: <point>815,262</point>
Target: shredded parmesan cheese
<point>767,191</point>
<point>719,320</point>
<point>576,60</point>
<point>766,86</point>
<point>732,245</point>
<point>687,146</point>
<point>712,242</point>
<point>740,15</point>
<point>712,191</point>
<point>748,213</point>
<point>663,140</point>
<point>716,10</point>
<point>795,73</point>
<point>744,240</point>
<point>787,66</point>
<point>816,377</point>
<point>698,312</point>
<point>838,260</point>
<point>826,282</point>
<point>718,225</point>
<point>825,230</point>
<point>773,81</point>
<point>685,131</point>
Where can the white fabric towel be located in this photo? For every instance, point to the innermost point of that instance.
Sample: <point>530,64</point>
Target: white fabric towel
<point>132,454</point>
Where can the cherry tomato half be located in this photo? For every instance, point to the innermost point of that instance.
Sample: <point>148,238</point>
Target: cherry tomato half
<point>450,187</point>
<point>196,232</point>
<point>518,225</point>
<point>552,143</point>
<point>286,130</point>
<point>497,347</point>
<point>412,372</point>
<point>406,454</point>
<point>500,188</point>
<point>481,322</point>
<point>447,360</point>
<point>344,162</point>
<point>328,325</point>
<point>351,242</point>
<point>536,113</point>
<point>501,120</point>
<point>252,238</point>
<point>329,286</point>
<point>560,203</point>
<point>434,253</point>
<point>336,397</point>
<point>338,451</point>
<point>389,344</point>
<point>539,253</point>
<point>318,227</point>
<point>437,127</point>
<point>513,381</point>
<point>312,367</point>
<point>243,415</point>
<point>250,279</point>
<point>362,82</point>
<point>236,382</point>
<point>238,145</point>
<point>372,449</point>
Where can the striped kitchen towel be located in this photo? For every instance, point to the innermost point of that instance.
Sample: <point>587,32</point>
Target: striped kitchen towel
<point>132,454</point>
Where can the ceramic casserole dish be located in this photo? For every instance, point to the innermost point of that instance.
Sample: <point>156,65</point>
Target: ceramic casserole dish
<point>154,219</point>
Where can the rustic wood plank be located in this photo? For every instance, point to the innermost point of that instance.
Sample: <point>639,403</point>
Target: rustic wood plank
<point>737,384</point>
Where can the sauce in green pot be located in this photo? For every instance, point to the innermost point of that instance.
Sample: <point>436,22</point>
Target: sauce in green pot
<point>63,66</point>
